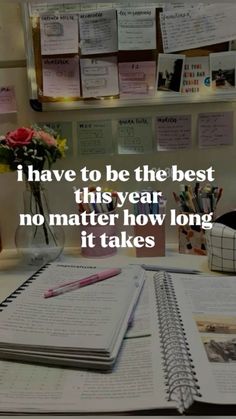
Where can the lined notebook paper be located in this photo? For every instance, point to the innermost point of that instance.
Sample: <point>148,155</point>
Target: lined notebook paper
<point>80,328</point>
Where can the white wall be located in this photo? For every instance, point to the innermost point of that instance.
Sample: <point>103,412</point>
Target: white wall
<point>11,51</point>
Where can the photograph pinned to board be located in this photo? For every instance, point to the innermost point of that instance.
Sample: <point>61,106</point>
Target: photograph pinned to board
<point>170,72</point>
<point>222,68</point>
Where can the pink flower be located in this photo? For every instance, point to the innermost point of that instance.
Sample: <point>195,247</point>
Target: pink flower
<point>46,138</point>
<point>19,137</point>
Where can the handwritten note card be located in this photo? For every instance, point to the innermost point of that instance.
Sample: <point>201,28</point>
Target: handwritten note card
<point>196,77</point>
<point>7,99</point>
<point>134,135</point>
<point>95,137</point>
<point>137,28</point>
<point>61,77</point>
<point>137,79</point>
<point>98,32</point>
<point>174,132</point>
<point>197,27</point>
<point>215,129</point>
<point>64,130</point>
<point>99,77</point>
<point>59,34</point>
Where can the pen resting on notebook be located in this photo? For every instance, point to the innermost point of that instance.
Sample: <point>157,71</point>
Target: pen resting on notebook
<point>73,285</point>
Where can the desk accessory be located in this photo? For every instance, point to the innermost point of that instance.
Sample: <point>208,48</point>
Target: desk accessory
<point>35,148</point>
<point>80,329</point>
<point>221,243</point>
<point>173,358</point>
<point>157,231</point>
<point>97,250</point>
<point>77,284</point>
<point>198,200</point>
<point>169,269</point>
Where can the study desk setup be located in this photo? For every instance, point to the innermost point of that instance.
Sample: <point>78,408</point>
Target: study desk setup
<point>149,329</point>
<point>161,337</point>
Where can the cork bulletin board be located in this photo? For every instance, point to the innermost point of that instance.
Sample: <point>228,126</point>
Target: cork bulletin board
<point>131,65</point>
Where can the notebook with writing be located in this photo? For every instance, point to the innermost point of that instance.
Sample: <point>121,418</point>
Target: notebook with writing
<point>179,356</point>
<point>82,328</point>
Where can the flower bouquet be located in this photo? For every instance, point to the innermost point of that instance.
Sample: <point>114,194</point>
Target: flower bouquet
<point>38,148</point>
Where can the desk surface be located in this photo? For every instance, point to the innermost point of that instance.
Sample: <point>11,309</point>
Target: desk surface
<point>13,272</point>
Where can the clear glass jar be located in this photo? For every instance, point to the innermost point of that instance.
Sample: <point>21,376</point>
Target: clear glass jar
<point>38,244</point>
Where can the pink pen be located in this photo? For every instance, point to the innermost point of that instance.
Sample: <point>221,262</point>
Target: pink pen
<point>73,285</point>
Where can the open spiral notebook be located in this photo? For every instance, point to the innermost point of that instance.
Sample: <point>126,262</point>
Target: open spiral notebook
<point>82,328</point>
<point>178,355</point>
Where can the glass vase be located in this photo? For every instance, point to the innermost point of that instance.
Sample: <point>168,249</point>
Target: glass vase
<point>38,244</point>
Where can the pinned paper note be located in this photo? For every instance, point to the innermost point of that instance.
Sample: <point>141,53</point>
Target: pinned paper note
<point>173,132</point>
<point>99,77</point>
<point>98,32</point>
<point>64,130</point>
<point>196,78</point>
<point>134,135</point>
<point>59,34</point>
<point>94,137</point>
<point>7,99</point>
<point>190,28</point>
<point>215,129</point>
<point>136,28</point>
<point>61,77</point>
<point>137,79</point>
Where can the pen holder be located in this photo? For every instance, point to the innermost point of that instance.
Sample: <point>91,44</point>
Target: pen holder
<point>192,240</point>
<point>158,232</point>
<point>98,250</point>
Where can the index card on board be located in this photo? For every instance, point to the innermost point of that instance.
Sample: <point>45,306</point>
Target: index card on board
<point>174,132</point>
<point>94,137</point>
<point>215,129</point>
<point>61,77</point>
<point>136,28</point>
<point>7,99</point>
<point>197,27</point>
<point>98,32</point>
<point>134,135</point>
<point>137,79</point>
<point>59,34</point>
<point>99,77</point>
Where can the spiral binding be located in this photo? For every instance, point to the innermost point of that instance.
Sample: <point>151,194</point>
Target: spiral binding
<point>21,288</point>
<point>180,376</point>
